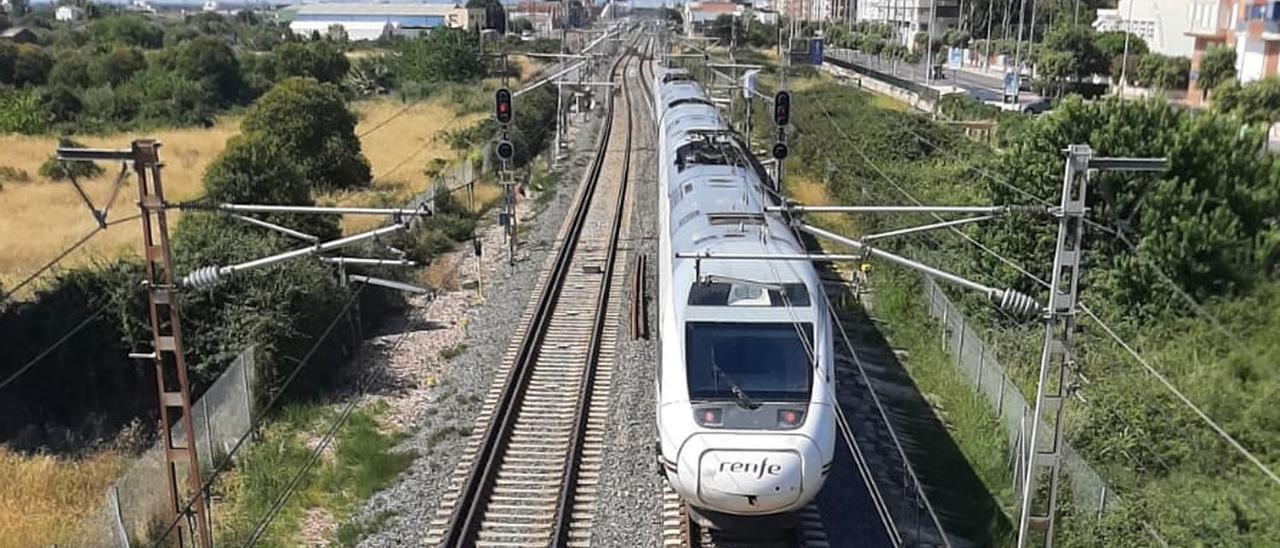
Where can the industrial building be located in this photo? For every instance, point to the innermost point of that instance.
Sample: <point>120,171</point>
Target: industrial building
<point>374,21</point>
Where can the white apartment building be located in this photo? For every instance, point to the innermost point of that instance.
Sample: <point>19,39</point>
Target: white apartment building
<point>806,10</point>
<point>911,16</point>
<point>1162,23</point>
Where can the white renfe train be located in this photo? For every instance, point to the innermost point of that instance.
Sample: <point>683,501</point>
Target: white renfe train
<point>745,419</point>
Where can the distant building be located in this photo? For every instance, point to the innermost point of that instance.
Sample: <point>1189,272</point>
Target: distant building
<point>909,17</point>
<point>765,16</point>
<point>210,6</point>
<point>18,35</point>
<point>373,21</point>
<point>68,13</point>
<point>1250,27</point>
<point>1161,23</point>
<point>697,15</point>
<point>542,23</point>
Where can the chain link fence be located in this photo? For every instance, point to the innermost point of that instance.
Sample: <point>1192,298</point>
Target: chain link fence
<point>140,499</point>
<point>973,357</point>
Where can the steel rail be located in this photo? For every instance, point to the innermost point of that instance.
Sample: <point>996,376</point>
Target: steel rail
<point>465,519</point>
<point>569,487</point>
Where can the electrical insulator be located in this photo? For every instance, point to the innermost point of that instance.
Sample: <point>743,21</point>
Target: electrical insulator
<point>782,108</point>
<point>502,105</point>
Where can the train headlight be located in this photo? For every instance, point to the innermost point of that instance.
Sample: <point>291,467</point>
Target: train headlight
<point>711,417</point>
<point>790,418</point>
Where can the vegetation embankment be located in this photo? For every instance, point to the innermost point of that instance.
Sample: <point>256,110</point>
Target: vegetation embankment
<point>298,143</point>
<point>1207,228</point>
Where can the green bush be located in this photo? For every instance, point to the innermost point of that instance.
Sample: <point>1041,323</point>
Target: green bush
<point>443,55</point>
<point>55,170</point>
<point>320,60</point>
<point>309,121</point>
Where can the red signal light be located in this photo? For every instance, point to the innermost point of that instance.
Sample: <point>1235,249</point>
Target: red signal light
<point>502,103</point>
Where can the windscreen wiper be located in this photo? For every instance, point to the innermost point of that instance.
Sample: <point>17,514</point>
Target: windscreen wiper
<point>739,395</point>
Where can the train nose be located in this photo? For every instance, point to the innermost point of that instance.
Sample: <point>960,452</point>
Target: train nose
<point>750,481</point>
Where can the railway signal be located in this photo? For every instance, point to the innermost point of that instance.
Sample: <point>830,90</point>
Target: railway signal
<point>782,108</point>
<point>780,151</point>
<point>502,105</point>
<point>506,150</point>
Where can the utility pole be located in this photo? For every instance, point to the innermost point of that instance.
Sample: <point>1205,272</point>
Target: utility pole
<point>180,454</point>
<point>1124,61</point>
<point>933,25</point>
<point>1058,357</point>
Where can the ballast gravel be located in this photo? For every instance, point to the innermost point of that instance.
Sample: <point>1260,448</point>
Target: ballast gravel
<point>444,415</point>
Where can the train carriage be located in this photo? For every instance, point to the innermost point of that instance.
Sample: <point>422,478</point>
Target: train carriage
<point>744,387</point>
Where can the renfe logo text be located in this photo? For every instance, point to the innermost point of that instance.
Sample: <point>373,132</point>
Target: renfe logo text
<point>758,469</point>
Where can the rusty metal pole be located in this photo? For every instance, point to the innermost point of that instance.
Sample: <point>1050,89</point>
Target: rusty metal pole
<point>166,332</point>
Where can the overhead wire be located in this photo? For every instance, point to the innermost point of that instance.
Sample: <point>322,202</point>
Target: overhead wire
<point>66,252</point>
<point>48,350</point>
<point>1222,433</point>
<point>1191,302</point>
<point>258,417</point>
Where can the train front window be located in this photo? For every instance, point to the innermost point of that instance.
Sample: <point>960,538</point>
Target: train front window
<point>749,363</point>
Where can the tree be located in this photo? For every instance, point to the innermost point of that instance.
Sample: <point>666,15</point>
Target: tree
<point>1077,41</point>
<point>19,8</point>
<point>129,30</point>
<point>31,66</point>
<point>495,16</point>
<point>726,28</point>
<point>8,56</point>
<point>71,70</point>
<point>116,66</point>
<point>61,103</point>
<point>443,54</point>
<point>1256,103</point>
<point>210,61</point>
<point>1217,66</point>
<point>1111,44</point>
<point>166,98</point>
<point>310,123</point>
<point>320,60</point>
<point>252,170</point>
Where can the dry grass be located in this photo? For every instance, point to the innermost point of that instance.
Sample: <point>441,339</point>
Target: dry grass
<point>40,218</point>
<point>44,500</point>
<point>529,66</point>
<point>399,143</point>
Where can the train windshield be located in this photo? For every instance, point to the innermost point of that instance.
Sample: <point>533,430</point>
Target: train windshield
<point>749,362</point>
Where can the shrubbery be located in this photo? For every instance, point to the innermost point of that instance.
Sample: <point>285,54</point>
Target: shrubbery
<point>310,122</point>
<point>1209,222</point>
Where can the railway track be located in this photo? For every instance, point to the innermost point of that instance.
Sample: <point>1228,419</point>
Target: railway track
<point>529,477</point>
<point>681,530</point>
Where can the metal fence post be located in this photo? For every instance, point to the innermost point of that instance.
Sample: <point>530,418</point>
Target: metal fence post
<point>982,362</point>
<point>1000,398</point>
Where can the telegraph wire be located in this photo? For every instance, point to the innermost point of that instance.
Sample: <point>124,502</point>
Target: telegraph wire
<point>1110,332</point>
